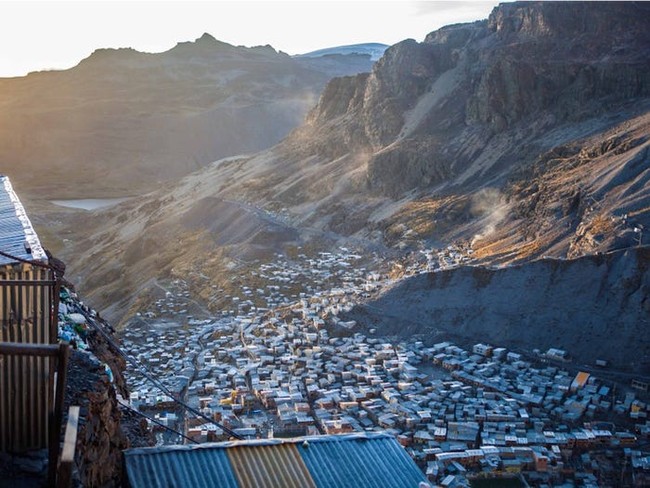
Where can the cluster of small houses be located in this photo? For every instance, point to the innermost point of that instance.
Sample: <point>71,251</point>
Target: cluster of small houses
<point>279,283</point>
<point>458,412</point>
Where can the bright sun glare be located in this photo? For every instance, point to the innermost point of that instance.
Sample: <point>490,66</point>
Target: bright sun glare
<point>38,35</point>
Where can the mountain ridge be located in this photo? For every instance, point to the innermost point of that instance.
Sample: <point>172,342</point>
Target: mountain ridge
<point>122,121</point>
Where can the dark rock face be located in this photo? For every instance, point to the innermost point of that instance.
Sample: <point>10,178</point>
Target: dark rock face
<point>565,57</point>
<point>561,62</point>
<point>594,307</point>
<point>100,439</point>
<point>399,79</point>
<point>105,426</point>
<point>568,20</point>
<point>399,169</point>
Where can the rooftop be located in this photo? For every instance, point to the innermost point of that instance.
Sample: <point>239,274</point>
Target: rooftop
<point>17,236</point>
<point>360,460</point>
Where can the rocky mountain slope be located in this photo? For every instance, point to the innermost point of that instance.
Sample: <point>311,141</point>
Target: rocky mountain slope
<point>583,306</point>
<point>122,121</point>
<point>468,109</point>
<point>522,136</point>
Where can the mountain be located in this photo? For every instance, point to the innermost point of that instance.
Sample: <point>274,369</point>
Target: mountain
<point>474,104</point>
<point>373,49</point>
<point>122,121</point>
<point>518,137</point>
<point>481,124</point>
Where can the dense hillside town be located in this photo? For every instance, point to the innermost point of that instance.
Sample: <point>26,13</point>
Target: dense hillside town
<point>293,367</point>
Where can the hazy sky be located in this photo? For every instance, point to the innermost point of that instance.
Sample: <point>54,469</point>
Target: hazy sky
<point>37,35</point>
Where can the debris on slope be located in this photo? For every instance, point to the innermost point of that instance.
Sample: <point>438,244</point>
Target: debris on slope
<point>95,382</point>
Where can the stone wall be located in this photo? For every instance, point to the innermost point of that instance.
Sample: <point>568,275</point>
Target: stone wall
<point>105,426</point>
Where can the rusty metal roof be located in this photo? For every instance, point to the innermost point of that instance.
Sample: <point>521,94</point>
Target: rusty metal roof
<point>17,236</point>
<point>268,466</point>
<point>359,460</point>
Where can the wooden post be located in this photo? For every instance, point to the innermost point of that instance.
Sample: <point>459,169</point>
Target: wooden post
<point>69,446</point>
<point>57,414</point>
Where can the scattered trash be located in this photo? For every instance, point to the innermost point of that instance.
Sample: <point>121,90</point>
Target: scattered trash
<point>73,326</point>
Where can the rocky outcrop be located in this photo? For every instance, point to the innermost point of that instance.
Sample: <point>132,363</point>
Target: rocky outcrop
<point>399,78</point>
<point>398,169</point>
<point>100,439</point>
<point>598,20</point>
<point>94,380</point>
<point>569,59</point>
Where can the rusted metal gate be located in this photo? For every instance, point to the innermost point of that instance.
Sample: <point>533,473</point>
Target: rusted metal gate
<point>33,376</point>
<point>28,316</point>
<point>28,305</point>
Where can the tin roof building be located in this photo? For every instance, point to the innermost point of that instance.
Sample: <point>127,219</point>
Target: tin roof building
<point>17,236</point>
<point>30,404</point>
<point>28,285</point>
<point>353,460</point>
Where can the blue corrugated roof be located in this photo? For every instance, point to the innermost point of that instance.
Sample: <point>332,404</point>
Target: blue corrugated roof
<point>15,228</point>
<point>350,460</point>
<point>179,467</point>
<point>359,460</point>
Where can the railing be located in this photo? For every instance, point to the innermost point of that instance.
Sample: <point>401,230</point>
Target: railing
<point>29,301</point>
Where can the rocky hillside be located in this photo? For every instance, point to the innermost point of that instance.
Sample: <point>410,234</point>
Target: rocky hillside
<point>583,306</point>
<point>444,136</point>
<point>123,121</point>
<point>474,104</point>
<point>522,136</point>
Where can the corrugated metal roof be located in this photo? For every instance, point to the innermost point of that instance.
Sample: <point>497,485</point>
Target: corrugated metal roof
<point>15,228</point>
<point>179,467</point>
<point>351,460</point>
<point>363,460</point>
<point>268,467</point>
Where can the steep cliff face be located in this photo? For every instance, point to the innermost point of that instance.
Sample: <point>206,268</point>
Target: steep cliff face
<point>529,68</point>
<point>570,60</point>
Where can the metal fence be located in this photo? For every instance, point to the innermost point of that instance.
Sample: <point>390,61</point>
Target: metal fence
<point>28,321</point>
<point>32,384</point>
<point>28,305</point>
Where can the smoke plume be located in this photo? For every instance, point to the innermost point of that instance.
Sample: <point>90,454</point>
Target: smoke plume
<point>490,207</point>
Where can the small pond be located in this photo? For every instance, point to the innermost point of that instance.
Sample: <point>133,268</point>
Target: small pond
<point>90,203</point>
